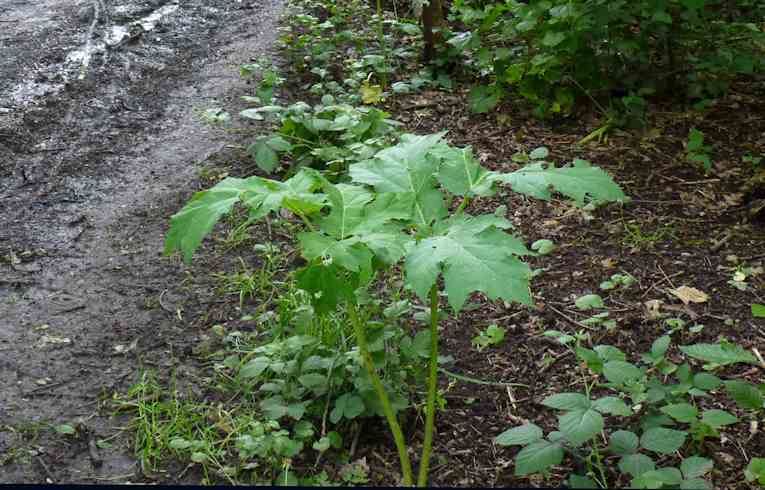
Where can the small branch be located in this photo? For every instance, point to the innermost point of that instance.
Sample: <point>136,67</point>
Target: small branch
<point>566,317</point>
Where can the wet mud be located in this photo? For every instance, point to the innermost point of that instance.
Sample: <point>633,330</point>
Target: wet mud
<point>99,144</point>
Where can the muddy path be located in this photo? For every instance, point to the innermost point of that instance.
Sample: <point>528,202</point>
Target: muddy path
<point>99,144</point>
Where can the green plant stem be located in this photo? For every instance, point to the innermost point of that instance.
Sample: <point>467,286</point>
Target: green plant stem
<point>390,416</point>
<point>463,205</point>
<point>383,47</point>
<point>430,408</point>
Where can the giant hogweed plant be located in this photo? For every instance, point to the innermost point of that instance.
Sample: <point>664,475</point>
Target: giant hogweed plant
<point>395,208</point>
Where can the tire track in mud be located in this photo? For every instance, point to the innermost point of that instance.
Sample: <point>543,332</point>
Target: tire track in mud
<point>92,161</point>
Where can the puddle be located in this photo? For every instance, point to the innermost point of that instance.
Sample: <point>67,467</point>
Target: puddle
<point>77,63</point>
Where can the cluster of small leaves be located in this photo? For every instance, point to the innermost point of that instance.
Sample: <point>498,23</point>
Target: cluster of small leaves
<point>328,136</point>
<point>698,152</point>
<point>668,414</point>
<point>492,335</point>
<point>335,47</point>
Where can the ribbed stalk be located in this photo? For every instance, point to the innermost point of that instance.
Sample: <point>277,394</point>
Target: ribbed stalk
<point>390,416</point>
<point>430,408</point>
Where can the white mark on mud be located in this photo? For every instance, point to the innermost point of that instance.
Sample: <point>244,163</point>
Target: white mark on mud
<point>85,54</point>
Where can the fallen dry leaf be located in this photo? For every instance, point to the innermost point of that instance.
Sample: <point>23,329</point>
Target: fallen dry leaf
<point>653,309</point>
<point>689,295</point>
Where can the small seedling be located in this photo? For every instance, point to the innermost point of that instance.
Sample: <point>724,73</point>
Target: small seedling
<point>697,151</point>
<point>492,335</point>
<point>618,281</point>
<point>589,302</point>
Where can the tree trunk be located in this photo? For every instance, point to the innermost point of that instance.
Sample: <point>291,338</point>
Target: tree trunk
<point>432,18</point>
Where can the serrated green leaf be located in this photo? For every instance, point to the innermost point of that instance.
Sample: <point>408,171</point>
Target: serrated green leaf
<point>461,174</point>
<point>746,395</point>
<point>474,256</point>
<point>567,401</point>
<point>580,182</point>
<point>406,168</point>
<point>195,220</point>
<point>706,381</point>
<point>347,203</point>
<point>682,412</point>
<point>484,98</point>
<point>543,247</point>
<point>274,408</point>
<point>758,310</point>
<point>65,429</point>
<point>537,457</point>
<point>620,372</point>
<point>265,156</point>
<point>695,484</point>
<point>664,476</point>
<point>348,406</point>
<point>719,354</point>
<point>610,353</point>
<point>718,418</point>
<point>755,471</point>
<point>179,443</point>
<point>349,254</point>
<point>520,436</point>
<point>313,380</point>
<point>623,442</point>
<point>581,425</point>
<point>636,464</point>
<point>199,457</point>
<point>578,481</point>
<point>254,367</point>
<point>696,466</point>
<point>662,440</point>
<point>660,346</point>
<point>589,301</point>
<point>612,405</point>
<point>539,153</point>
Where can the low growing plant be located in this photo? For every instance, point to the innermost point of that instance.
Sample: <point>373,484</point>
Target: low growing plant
<point>651,416</point>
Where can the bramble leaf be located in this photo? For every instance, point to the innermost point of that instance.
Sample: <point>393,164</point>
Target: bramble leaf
<point>719,354</point>
<point>662,440</point>
<point>520,436</point>
<point>537,457</point>
<point>580,425</point>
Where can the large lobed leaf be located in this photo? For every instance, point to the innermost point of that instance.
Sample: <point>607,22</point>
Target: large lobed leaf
<point>408,170</point>
<point>474,255</point>
<point>195,220</point>
<point>580,182</point>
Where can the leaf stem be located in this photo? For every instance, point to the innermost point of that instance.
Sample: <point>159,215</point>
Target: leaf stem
<point>463,205</point>
<point>430,408</point>
<point>390,416</point>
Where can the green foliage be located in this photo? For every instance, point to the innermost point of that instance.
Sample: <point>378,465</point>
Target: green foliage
<point>328,136</point>
<point>698,152</point>
<point>649,417</point>
<point>553,52</point>
<point>492,335</point>
<point>755,471</point>
<point>393,210</point>
<point>617,281</point>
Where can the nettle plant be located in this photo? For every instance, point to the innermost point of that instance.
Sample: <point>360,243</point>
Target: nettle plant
<point>669,416</point>
<point>395,209</point>
<point>328,136</point>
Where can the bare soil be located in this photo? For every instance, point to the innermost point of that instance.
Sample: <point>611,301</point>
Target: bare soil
<point>99,144</point>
